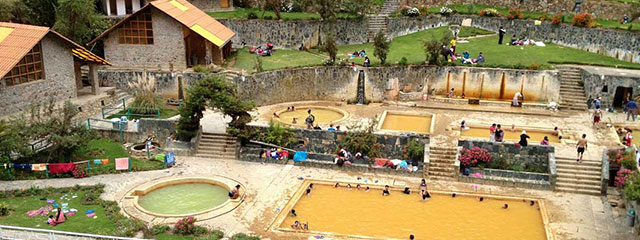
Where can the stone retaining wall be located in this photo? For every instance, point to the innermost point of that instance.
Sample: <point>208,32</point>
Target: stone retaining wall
<point>533,154</point>
<point>159,129</point>
<point>340,83</point>
<point>166,82</point>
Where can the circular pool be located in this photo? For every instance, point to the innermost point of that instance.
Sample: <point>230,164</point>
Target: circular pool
<point>324,115</point>
<point>186,198</point>
<point>175,197</point>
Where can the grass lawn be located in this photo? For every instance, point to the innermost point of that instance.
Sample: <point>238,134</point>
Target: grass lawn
<point>166,111</point>
<point>96,149</point>
<point>244,13</point>
<point>411,47</point>
<point>282,58</point>
<point>77,223</point>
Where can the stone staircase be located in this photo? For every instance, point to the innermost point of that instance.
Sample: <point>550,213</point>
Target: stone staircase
<point>572,95</point>
<point>229,75</point>
<point>389,7</point>
<point>217,145</point>
<point>579,177</point>
<point>441,163</point>
<point>377,23</point>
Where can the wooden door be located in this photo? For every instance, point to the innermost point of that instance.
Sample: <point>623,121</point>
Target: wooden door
<point>224,3</point>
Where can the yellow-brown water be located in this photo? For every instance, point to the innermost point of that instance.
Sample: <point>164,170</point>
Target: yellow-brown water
<point>536,136</point>
<point>398,215</point>
<point>407,123</point>
<point>323,116</point>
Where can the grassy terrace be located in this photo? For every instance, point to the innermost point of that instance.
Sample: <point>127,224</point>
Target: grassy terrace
<point>243,13</point>
<point>473,9</point>
<point>411,47</point>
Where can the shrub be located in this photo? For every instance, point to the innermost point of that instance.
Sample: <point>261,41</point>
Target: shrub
<point>201,69</point>
<point>277,134</point>
<point>362,139</point>
<point>4,209</point>
<point>424,10</point>
<point>632,188</point>
<point>623,176</point>
<point>214,235</point>
<point>557,19</point>
<point>91,197</point>
<point>445,11</point>
<point>404,10</point>
<point>471,157</point>
<point>267,17</point>
<point>583,20</point>
<point>514,13</point>
<point>489,12</point>
<point>415,150</point>
<point>252,15</point>
<point>158,229</point>
<point>619,157</point>
<point>242,236</point>
<point>413,12</point>
<point>145,101</point>
<point>200,231</point>
<point>403,61</point>
<point>185,226</point>
<point>381,45</point>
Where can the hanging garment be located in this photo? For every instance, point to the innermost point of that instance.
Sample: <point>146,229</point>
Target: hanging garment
<point>57,168</point>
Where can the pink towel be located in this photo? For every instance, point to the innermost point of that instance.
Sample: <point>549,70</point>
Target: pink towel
<point>91,214</point>
<point>122,163</point>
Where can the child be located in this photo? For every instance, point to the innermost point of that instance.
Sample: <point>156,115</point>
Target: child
<point>505,206</point>
<point>425,195</point>
<point>406,190</point>
<point>367,189</point>
<point>293,213</point>
<point>386,192</point>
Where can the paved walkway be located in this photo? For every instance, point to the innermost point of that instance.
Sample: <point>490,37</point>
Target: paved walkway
<point>270,186</point>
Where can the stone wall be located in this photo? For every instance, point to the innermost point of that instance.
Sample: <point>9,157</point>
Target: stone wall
<point>59,79</point>
<point>603,83</point>
<point>598,8</point>
<point>168,46</point>
<point>340,83</point>
<point>622,45</point>
<point>290,34</point>
<point>166,82</point>
<point>533,154</point>
<point>209,5</point>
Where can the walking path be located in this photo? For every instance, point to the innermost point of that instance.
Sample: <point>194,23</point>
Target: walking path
<point>269,187</point>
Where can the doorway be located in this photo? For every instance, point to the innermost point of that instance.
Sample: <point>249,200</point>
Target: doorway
<point>195,49</point>
<point>224,3</point>
<point>621,94</point>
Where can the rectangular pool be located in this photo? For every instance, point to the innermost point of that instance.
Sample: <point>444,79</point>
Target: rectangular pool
<point>406,122</point>
<point>351,213</point>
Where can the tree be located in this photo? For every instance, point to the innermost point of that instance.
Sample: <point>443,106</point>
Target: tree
<point>434,49</point>
<point>43,12</point>
<point>14,11</point>
<point>381,46</point>
<point>330,46</point>
<point>78,20</point>
<point>273,5</point>
<point>326,8</point>
<point>215,92</point>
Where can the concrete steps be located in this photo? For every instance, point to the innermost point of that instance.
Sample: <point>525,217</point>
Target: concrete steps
<point>217,145</point>
<point>579,177</point>
<point>389,7</point>
<point>572,96</point>
<point>441,163</point>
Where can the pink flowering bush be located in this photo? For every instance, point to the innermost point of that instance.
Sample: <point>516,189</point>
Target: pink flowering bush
<point>622,177</point>
<point>185,226</point>
<point>475,155</point>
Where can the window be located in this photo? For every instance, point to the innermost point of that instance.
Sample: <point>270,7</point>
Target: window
<point>113,7</point>
<point>128,6</point>
<point>138,30</point>
<point>29,69</point>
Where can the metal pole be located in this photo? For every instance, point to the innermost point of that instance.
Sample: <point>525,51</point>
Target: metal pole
<point>89,120</point>
<point>121,136</point>
<point>158,113</point>
<point>124,104</point>
<point>102,112</point>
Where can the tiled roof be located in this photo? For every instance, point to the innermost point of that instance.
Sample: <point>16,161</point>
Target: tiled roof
<point>16,40</point>
<point>190,16</point>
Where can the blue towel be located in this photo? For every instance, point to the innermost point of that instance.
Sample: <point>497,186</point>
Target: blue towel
<point>300,156</point>
<point>404,164</point>
<point>89,211</point>
<point>97,161</point>
<point>169,158</point>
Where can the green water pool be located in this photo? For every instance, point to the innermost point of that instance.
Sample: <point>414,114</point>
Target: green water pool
<point>183,199</point>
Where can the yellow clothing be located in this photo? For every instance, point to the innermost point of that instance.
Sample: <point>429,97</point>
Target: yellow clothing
<point>453,42</point>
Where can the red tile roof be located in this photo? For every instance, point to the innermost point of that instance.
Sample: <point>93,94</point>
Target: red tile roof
<point>22,38</point>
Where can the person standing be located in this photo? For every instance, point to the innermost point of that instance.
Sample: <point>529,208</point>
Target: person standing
<point>523,139</point>
<point>632,110</point>
<point>499,133</point>
<point>596,103</point>
<point>492,133</point>
<point>453,46</point>
<point>597,115</point>
<point>516,99</point>
<point>582,146</point>
<point>628,138</point>
<point>501,34</point>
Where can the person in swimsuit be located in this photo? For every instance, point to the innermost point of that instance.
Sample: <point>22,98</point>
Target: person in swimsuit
<point>423,186</point>
<point>582,146</point>
<point>309,191</point>
<point>386,192</point>
<point>505,206</point>
<point>406,190</point>
<point>366,189</point>
<point>337,185</point>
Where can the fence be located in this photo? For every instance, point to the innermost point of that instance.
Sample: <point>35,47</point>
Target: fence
<point>116,106</point>
<point>93,123</point>
<point>24,233</point>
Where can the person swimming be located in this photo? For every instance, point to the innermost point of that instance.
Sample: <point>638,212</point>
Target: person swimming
<point>505,206</point>
<point>337,185</point>
<point>406,190</point>
<point>366,189</point>
<point>425,195</point>
<point>453,195</point>
<point>481,199</point>
<point>349,186</point>
<point>296,225</point>
<point>385,191</point>
<point>293,213</point>
<point>423,186</point>
<point>358,187</point>
<point>308,191</point>
<point>531,203</point>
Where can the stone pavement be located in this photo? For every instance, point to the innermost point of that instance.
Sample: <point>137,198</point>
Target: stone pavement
<point>270,186</point>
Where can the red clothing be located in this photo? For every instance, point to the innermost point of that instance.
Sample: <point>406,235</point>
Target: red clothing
<point>629,137</point>
<point>55,168</point>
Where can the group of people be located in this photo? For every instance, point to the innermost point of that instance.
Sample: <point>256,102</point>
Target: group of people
<point>274,153</point>
<point>450,54</point>
<point>60,218</point>
<point>263,52</point>
<point>627,136</point>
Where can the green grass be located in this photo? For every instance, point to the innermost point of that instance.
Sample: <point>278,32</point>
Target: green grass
<point>411,47</point>
<point>282,58</point>
<point>77,223</point>
<point>165,112</point>
<point>243,13</point>
<point>101,148</point>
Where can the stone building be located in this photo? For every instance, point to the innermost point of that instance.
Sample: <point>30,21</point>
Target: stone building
<point>122,8</point>
<point>165,34</point>
<point>610,84</point>
<point>37,63</point>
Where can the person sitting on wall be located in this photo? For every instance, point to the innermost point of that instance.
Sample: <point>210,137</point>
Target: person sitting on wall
<point>235,192</point>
